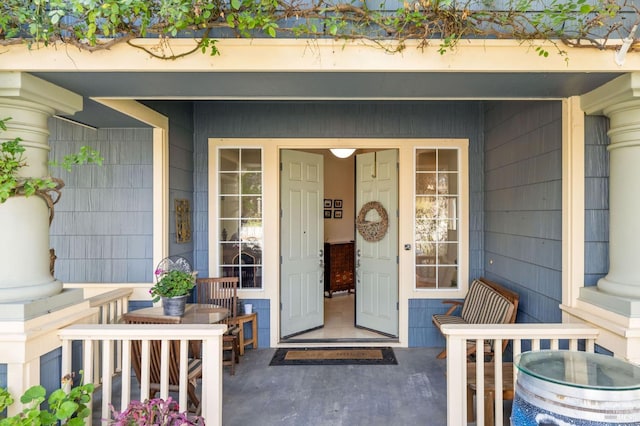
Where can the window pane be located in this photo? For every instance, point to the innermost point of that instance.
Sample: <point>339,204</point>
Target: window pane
<point>251,183</point>
<point>251,207</point>
<point>252,231</point>
<point>252,160</point>
<point>451,187</point>
<point>426,160</point>
<point>229,206</point>
<point>229,183</point>
<point>229,160</point>
<point>436,218</point>
<point>228,252</point>
<point>240,223</point>
<point>426,183</point>
<point>448,159</point>
<point>229,230</point>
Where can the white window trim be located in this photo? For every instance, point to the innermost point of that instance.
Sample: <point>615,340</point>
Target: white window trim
<point>462,145</point>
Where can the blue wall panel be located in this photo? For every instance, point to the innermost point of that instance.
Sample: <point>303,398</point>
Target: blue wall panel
<point>102,228</point>
<point>523,204</point>
<point>596,224</point>
<point>181,168</point>
<point>247,119</point>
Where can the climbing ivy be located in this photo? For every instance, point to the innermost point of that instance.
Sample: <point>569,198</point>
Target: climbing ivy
<point>99,24</point>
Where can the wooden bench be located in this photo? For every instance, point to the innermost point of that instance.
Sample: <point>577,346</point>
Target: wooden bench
<point>486,303</point>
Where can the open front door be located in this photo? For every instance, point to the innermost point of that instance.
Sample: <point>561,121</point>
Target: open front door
<point>301,239</point>
<point>376,255</point>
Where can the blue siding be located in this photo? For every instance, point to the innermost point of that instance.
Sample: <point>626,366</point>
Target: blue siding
<point>102,229</point>
<point>262,308</point>
<point>596,224</point>
<point>422,333</point>
<point>523,204</point>
<point>51,371</point>
<point>181,170</point>
<point>338,119</point>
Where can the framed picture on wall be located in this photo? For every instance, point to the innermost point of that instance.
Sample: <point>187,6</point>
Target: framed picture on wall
<point>327,214</point>
<point>337,204</point>
<point>337,214</point>
<point>328,203</point>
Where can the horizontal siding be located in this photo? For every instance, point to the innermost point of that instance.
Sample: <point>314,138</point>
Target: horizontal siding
<point>317,119</point>
<point>523,204</point>
<point>596,250</point>
<point>102,229</point>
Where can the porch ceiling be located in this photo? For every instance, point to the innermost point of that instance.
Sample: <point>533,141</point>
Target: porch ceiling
<point>313,86</point>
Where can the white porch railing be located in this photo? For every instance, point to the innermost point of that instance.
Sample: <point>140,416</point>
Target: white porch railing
<point>540,336</point>
<point>111,334</point>
<point>111,305</point>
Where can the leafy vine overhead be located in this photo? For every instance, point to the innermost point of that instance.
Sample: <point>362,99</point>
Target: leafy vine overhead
<point>99,24</point>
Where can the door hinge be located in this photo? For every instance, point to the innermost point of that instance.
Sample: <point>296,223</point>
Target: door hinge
<point>281,166</point>
<point>280,306</point>
<point>397,306</point>
<point>397,260</point>
<point>281,259</point>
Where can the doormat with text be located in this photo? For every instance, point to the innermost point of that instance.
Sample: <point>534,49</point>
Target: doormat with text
<point>334,356</point>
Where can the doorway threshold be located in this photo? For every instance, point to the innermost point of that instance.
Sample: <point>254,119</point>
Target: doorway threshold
<point>338,342</point>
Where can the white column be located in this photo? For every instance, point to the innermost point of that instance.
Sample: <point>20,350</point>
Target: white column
<point>620,101</point>
<point>24,221</point>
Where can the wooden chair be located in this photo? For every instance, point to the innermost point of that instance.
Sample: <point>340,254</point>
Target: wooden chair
<point>195,364</point>
<point>485,303</point>
<point>223,292</point>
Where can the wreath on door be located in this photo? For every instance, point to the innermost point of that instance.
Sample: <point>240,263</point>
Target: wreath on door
<point>372,231</point>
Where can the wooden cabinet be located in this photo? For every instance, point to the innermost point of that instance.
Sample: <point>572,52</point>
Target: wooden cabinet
<point>339,267</point>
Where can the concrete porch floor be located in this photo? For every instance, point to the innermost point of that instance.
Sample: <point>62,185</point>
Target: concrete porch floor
<point>410,393</point>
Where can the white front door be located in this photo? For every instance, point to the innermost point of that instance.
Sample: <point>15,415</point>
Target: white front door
<point>301,242</point>
<point>377,261</point>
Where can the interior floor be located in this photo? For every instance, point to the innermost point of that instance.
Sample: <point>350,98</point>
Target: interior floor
<point>339,319</point>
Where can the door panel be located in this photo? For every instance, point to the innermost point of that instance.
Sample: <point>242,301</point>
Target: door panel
<point>301,239</point>
<point>376,262</point>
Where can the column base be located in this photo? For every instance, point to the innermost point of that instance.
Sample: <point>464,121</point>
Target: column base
<point>619,332</point>
<point>23,311</point>
<point>625,306</point>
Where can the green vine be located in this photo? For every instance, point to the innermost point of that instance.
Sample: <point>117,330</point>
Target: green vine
<point>12,161</point>
<point>99,24</point>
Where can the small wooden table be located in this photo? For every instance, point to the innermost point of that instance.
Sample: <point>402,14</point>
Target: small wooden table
<point>195,313</point>
<point>489,389</point>
<point>241,320</point>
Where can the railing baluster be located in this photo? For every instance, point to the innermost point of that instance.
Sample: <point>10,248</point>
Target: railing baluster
<point>125,390</point>
<point>497,378</point>
<point>107,376</point>
<point>479,381</point>
<point>111,334</point>
<point>458,334</point>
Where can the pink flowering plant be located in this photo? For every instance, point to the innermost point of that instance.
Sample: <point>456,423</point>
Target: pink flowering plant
<point>172,283</point>
<point>153,412</point>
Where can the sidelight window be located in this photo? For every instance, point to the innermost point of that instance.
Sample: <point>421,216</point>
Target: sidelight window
<point>240,218</point>
<point>437,218</point>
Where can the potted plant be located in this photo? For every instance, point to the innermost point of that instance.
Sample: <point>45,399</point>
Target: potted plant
<point>173,287</point>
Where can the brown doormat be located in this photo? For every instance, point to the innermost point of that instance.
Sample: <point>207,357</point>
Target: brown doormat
<point>334,356</point>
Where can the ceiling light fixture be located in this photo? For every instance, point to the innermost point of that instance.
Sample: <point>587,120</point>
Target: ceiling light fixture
<point>342,152</point>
